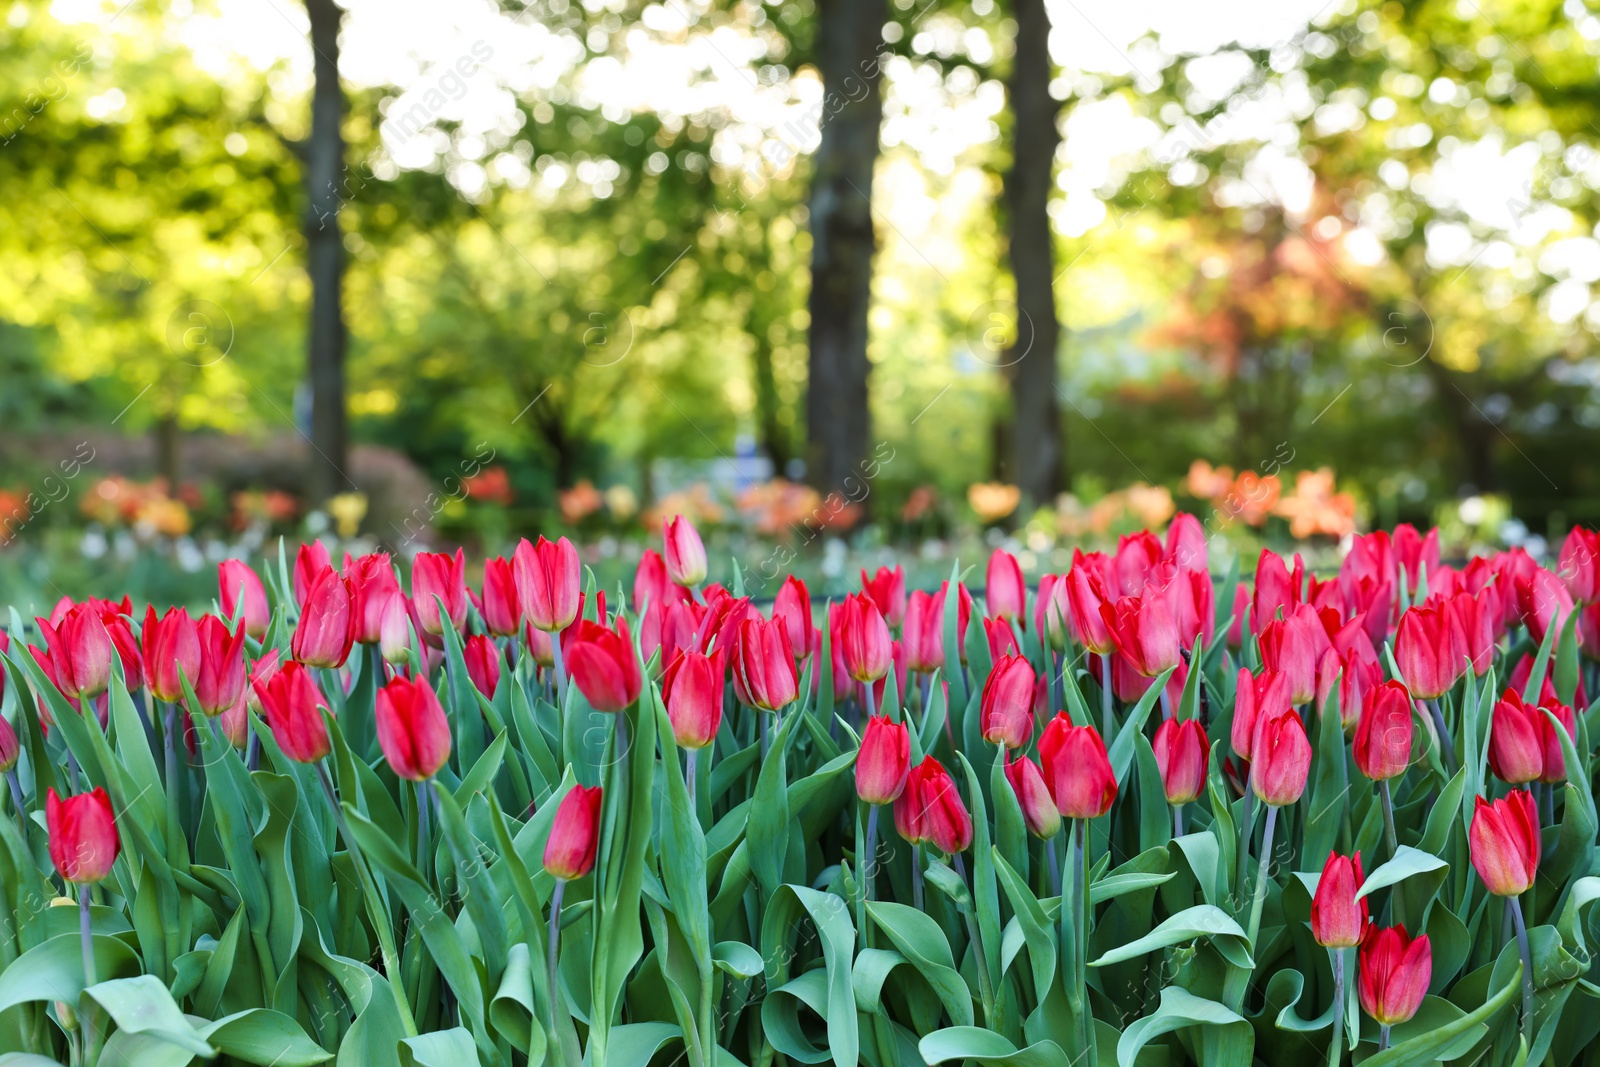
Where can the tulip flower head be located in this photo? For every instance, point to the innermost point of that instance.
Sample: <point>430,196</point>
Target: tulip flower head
<point>692,691</point>
<point>327,626</point>
<point>309,561</point>
<point>239,587</point>
<point>83,835</point>
<point>1145,632</point>
<point>10,746</point>
<point>547,583</point>
<point>292,705</point>
<point>923,633</point>
<point>81,649</point>
<point>1005,593</point>
<point>1293,647</point>
<point>934,811</point>
<point>793,607</point>
<point>221,678</point>
<point>884,761</point>
<point>1383,736</point>
<point>1517,740</point>
<point>1086,596</point>
<point>1183,754</point>
<point>371,583</point>
<point>887,589</point>
<point>1504,838</point>
<point>574,840</point>
<point>1430,652</point>
<point>171,652</point>
<point>413,731</point>
<point>1033,797</point>
<point>1052,611</point>
<point>1280,759</point>
<point>439,583</point>
<point>1338,917</point>
<point>1395,971</point>
<point>1005,715</point>
<point>764,673</point>
<point>1077,769</point>
<point>501,604</point>
<point>1256,697</point>
<point>483,661</point>
<point>683,551</point>
<point>603,664</point>
<point>863,639</point>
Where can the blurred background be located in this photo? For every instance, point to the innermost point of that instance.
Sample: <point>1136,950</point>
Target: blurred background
<point>844,280</point>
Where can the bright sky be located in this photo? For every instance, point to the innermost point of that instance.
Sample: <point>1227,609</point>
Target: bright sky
<point>672,64</point>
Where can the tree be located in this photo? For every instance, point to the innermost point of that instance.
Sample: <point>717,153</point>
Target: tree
<point>325,172</point>
<point>838,423</point>
<point>1037,446</point>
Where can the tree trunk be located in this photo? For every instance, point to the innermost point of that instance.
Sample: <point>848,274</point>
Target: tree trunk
<point>1474,433</point>
<point>838,422</point>
<point>169,452</point>
<point>769,430</point>
<point>325,170</point>
<point>1029,365</point>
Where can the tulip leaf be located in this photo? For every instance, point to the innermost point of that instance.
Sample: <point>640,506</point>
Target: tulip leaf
<point>1035,924</point>
<point>484,902</point>
<point>1178,1010</point>
<point>829,991</point>
<point>918,938</point>
<point>768,829</point>
<point>1442,814</point>
<point>1407,861</point>
<point>264,1037</point>
<point>442,1048</point>
<point>53,969</point>
<point>985,891</point>
<point>977,1045</point>
<point>738,959</point>
<point>1541,666</point>
<point>1330,788</point>
<point>142,1005</point>
<point>1566,661</point>
<point>1155,815</point>
<point>1202,920</point>
<point>1576,840</point>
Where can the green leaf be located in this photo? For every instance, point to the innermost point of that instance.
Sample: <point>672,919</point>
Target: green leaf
<point>1202,920</point>
<point>636,1044</point>
<point>1179,1009</point>
<point>987,1047</point>
<point>738,959</point>
<point>1037,930</point>
<point>768,831</point>
<point>53,970</point>
<point>444,1048</point>
<point>142,1005</point>
<point>264,1037</point>
<point>834,999</point>
<point>1407,862</point>
<point>924,946</point>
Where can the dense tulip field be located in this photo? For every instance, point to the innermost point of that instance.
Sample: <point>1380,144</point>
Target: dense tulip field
<point>1139,813</point>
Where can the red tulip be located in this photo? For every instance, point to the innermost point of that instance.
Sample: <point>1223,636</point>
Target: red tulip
<point>1276,589</point>
<point>1383,736</point>
<point>308,563</point>
<point>1005,592</point>
<point>1189,598</point>
<point>1416,553</point>
<point>575,834</point>
<point>691,688</point>
<point>1183,753</point>
<point>500,605</point>
<point>1356,675</point>
<point>723,615</point>
<point>438,578</point>
<point>1429,653</point>
<point>483,663</point>
<point>683,551</point>
<point>81,648</point>
<point>1241,606</point>
<point>1579,564</point>
<point>1186,543</point>
<point>863,638</point>
<point>547,582</point>
<point>221,678</point>
<point>1338,917</point>
<point>412,729</point>
<point>603,665</point>
<point>1052,611</point>
<point>261,672</point>
<point>1474,619</point>
<point>1005,715</point>
<point>239,586</point>
<point>792,606</point>
<point>887,589</point>
<point>327,626</point>
<point>1293,646</point>
<point>680,628</point>
<point>1555,762</point>
<point>1086,599</point>
<point>884,761</point>
<point>1144,631</point>
<point>1033,796</point>
<point>651,586</point>
<point>1589,630</point>
<point>1257,697</point>
<point>371,584</point>
<point>83,835</point>
<point>924,631</point>
<point>235,722</point>
<point>1544,602</point>
<point>1136,555</point>
<point>292,706</point>
<point>1504,838</point>
<point>171,652</point>
<point>1280,759</point>
<point>1395,972</point>
<point>539,645</point>
<point>1002,639</point>
<point>1516,740</point>
<point>1077,769</point>
<point>394,630</point>
<point>933,810</point>
<point>764,674</point>
<point>10,747</point>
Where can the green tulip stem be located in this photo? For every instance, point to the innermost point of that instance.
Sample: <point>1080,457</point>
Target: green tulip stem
<point>1527,968</point>
<point>691,759</point>
<point>1263,873</point>
<point>1051,864</point>
<point>1080,890</point>
<point>1447,747</point>
<point>561,672</point>
<point>1383,1036</point>
<point>870,698</point>
<point>1393,840</point>
<point>17,802</point>
<point>423,801</point>
<point>1246,832</point>
<point>1335,1053</point>
<point>170,750</point>
<point>1106,697</point>
<point>375,909</point>
<point>553,962</point>
<point>868,865</point>
<point>981,962</point>
<point>916,877</point>
<point>86,932</point>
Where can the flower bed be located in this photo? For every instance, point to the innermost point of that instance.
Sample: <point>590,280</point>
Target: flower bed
<point>1139,813</point>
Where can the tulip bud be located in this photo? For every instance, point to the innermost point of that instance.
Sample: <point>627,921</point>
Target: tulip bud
<point>439,579</point>
<point>1276,589</point>
<point>1395,972</point>
<point>371,583</point>
<point>1002,639</point>
<point>547,583</point>
<point>1052,611</point>
<point>575,834</point>
<point>1182,755</point>
<point>394,630</point>
<point>1145,632</point>
<point>239,586</point>
<point>1383,736</point>
<point>1504,838</point>
<point>692,691</point>
<point>483,663</point>
<point>500,605</point>
<point>327,626</point>
<point>1005,715</point>
<point>1077,769</point>
<point>412,729</point>
<point>603,664</point>
<point>10,747</point>
<point>293,705</point>
<point>1086,596</point>
<point>1338,918</point>
<point>222,672</point>
<point>1429,652</point>
<point>935,811</point>
<point>652,586</point>
<point>171,652</point>
<point>924,631</point>
<point>83,835</point>
<point>308,564</point>
<point>864,639</point>
<point>792,607</point>
<point>884,761</point>
<point>887,589</point>
<point>1005,592</point>
<point>1555,761</point>
<point>764,674</point>
<point>81,648</point>
<point>1516,744</point>
<point>1256,697</point>
<point>1293,646</point>
<point>683,551</point>
<point>1280,759</point>
<point>1033,796</point>
<point>236,723</point>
